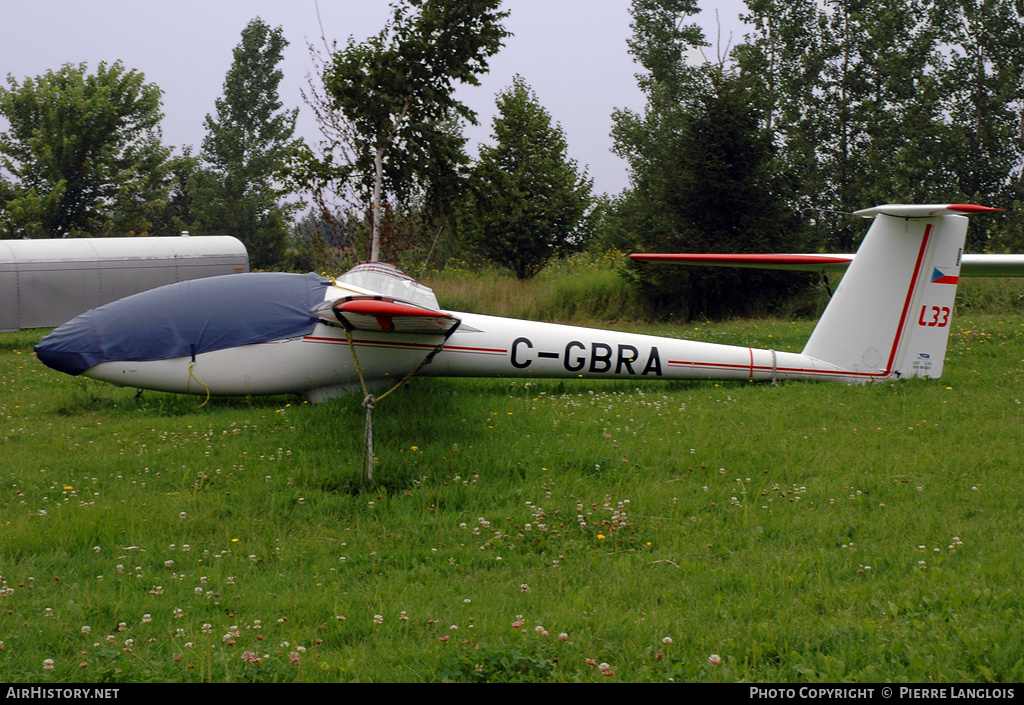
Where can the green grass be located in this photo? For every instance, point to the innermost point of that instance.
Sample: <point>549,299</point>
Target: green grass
<point>802,532</point>
<point>582,288</point>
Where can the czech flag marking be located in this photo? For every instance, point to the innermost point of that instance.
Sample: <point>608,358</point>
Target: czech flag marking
<point>941,277</point>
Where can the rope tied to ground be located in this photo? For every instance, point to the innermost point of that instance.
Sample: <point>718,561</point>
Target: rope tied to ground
<point>370,402</point>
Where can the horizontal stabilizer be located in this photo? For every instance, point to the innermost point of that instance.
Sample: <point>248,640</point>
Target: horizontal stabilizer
<point>378,313</point>
<point>910,210</point>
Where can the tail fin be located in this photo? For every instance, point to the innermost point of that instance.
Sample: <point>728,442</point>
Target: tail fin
<point>891,314</point>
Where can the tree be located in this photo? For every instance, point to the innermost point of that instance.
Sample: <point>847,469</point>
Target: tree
<point>246,149</point>
<point>176,214</point>
<point>984,98</point>
<point>711,187</point>
<point>703,174</point>
<point>785,56</point>
<point>83,153</point>
<point>853,102</point>
<point>396,91</point>
<point>529,201</point>
<point>878,101</point>
<point>879,116</point>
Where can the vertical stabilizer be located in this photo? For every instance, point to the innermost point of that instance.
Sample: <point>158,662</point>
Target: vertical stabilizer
<point>891,314</point>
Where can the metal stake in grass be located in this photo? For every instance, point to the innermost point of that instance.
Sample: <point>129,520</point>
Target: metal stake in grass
<point>368,404</point>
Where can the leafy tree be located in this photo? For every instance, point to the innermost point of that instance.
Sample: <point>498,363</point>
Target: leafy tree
<point>711,187</point>
<point>784,55</point>
<point>659,40</point>
<point>396,93</point>
<point>83,153</point>
<point>983,96</point>
<point>322,244</point>
<point>852,101</point>
<point>237,191</point>
<point>703,174</point>
<point>894,100</point>
<point>529,201</point>
<point>176,214</point>
<point>879,114</point>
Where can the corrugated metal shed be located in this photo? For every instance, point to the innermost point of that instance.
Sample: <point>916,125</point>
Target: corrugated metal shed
<point>45,283</point>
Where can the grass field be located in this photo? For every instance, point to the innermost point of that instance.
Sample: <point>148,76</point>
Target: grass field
<point>547,531</point>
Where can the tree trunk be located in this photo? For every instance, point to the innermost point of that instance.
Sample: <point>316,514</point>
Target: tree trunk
<point>378,177</point>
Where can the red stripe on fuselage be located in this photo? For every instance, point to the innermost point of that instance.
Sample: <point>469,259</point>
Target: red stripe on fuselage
<point>900,330</point>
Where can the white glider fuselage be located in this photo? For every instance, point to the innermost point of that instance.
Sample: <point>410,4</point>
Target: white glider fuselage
<point>320,364</point>
<point>257,334</point>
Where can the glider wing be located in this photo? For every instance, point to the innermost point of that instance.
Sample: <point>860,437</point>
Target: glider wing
<point>970,266</point>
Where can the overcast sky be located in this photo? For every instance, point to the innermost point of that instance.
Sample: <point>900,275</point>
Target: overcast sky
<point>571,52</point>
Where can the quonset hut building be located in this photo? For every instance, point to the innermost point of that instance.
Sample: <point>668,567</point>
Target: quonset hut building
<point>45,283</point>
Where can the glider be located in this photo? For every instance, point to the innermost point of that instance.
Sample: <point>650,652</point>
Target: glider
<point>275,333</point>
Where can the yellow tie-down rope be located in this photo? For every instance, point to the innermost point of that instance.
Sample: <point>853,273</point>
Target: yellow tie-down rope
<point>369,402</point>
<point>192,376</point>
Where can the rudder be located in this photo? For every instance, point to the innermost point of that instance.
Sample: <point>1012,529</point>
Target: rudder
<point>890,316</point>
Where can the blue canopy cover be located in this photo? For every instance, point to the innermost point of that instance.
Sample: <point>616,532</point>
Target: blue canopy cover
<point>187,318</point>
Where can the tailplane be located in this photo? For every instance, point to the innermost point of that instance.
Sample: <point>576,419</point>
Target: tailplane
<point>891,315</point>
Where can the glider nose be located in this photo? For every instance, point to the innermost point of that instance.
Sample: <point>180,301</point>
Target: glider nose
<point>187,318</point>
<point>71,348</point>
